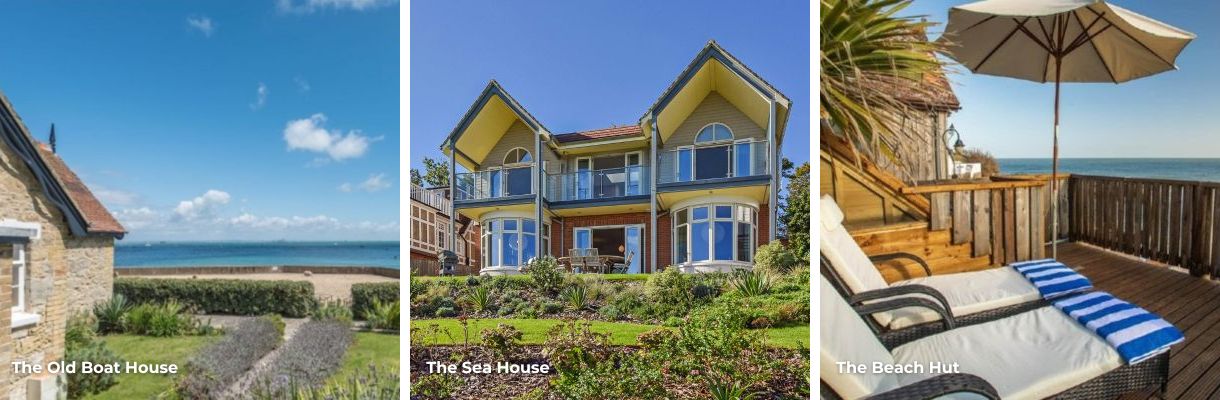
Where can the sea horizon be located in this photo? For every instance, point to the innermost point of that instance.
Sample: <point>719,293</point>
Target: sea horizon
<point>1176,168</point>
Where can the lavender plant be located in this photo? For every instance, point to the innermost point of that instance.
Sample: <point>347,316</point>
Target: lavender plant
<point>217,366</point>
<point>314,353</point>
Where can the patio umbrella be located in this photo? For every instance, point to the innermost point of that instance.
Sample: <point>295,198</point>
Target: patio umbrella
<point>1060,41</point>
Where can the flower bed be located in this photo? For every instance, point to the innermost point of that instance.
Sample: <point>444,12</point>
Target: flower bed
<point>219,365</point>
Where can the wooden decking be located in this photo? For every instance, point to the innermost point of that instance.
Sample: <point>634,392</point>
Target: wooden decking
<point>1188,302</point>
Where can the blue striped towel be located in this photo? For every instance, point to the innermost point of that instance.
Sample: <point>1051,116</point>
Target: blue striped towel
<point>1136,333</point>
<point>1052,278</point>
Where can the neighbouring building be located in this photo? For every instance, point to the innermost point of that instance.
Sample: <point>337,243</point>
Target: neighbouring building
<point>692,183</point>
<point>56,255</point>
<point>430,210</point>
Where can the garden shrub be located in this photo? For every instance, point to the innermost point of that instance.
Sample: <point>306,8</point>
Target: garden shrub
<point>502,341</point>
<point>109,314</point>
<point>655,338</point>
<point>210,372</point>
<point>436,386</point>
<point>546,274</point>
<point>96,352</point>
<point>446,312</point>
<point>478,298</point>
<point>366,384</point>
<point>383,315</point>
<point>551,307</point>
<point>576,298</point>
<point>671,291</point>
<point>610,312</point>
<point>775,259</point>
<point>623,376</point>
<point>751,283</point>
<point>293,299</point>
<point>314,353</point>
<point>333,310</point>
<point>161,320</point>
<point>572,346</point>
<point>81,329</point>
<point>363,295</point>
<point>418,287</point>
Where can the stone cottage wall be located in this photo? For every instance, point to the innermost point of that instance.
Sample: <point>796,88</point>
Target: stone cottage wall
<point>21,198</point>
<point>90,271</point>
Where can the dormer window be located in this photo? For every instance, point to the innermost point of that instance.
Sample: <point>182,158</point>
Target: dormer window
<point>714,133</point>
<point>518,156</point>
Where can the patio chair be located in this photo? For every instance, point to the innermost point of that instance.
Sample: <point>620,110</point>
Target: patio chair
<point>978,295</point>
<point>593,261</point>
<point>576,258</point>
<point>1032,355</point>
<point>621,268</point>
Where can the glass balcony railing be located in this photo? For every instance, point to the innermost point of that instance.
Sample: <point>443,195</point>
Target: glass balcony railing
<point>725,160</point>
<point>598,184</point>
<point>496,183</point>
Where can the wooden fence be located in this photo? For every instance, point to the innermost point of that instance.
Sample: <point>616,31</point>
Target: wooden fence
<point>1170,221</point>
<point>1003,219</point>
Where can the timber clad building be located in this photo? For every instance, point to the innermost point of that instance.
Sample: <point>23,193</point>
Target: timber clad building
<point>430,210</point>
<point>56,256</point>
<point>692,184</point>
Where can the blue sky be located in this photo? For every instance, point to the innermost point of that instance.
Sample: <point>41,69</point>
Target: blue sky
<point>587,65</point>
<point>204,120</point>
<point>1167,115</point>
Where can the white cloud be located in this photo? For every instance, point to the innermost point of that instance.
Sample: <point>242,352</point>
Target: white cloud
<point>114,197</point>
<point>262,97</point>
<point>203,206</point>
<point>137,218</point>
<point>294,222</point>
<point>308,134</point>
<point>375,183</point>
<point>302,84</point>
<point>309,6</point>
<point>202,24</point>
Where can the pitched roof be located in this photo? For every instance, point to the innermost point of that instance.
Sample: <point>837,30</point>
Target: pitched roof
<point>97,218</point>
<point>79,207</point>
<point>603,133</point>
<point>713,50</point>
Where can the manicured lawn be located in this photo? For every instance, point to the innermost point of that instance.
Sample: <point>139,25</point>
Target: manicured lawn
<point>790,337</point>
<point>379,349</point>
<point>146,349</point>
<point>607,277</point>
<point>621,333</point>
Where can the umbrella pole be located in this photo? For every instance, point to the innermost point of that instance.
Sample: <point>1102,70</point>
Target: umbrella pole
<point>1055,171</point>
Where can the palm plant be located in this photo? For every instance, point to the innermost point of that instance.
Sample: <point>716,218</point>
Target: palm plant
<point>866,51</point>
<point>751,283</point>
<point>576,297</point>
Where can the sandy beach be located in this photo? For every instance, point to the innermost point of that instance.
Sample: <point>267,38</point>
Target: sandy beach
<point>325,285</point>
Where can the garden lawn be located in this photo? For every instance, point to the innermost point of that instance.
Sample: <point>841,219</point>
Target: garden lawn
<point>379,349</point>
<point>147,349</point>
<point>621,333</point>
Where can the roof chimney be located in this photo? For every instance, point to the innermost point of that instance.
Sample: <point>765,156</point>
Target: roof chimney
<point>52,138</point>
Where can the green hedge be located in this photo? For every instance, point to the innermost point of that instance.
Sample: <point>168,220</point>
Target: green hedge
<point>364,293</point>
<point>293,299</point>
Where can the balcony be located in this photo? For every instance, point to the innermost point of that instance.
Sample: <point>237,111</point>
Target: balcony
<point>494,184</point>
<point>708,163</point>
<point>434,198</point>
<point>598,184</point>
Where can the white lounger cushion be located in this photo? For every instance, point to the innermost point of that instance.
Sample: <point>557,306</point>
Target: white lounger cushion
<point>968,293</point>
<point>844,254</point>
<point>1031,355</point>
<point>846,338</point>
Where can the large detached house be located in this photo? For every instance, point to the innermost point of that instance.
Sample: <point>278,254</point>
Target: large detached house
<point>56,256</point>
<point>692,184</point>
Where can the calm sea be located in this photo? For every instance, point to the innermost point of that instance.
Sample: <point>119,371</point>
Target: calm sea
<point>188,254</point>
<point>1189,169</point>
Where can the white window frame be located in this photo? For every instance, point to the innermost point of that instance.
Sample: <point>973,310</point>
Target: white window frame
<point>496,237</point>
<point>750,157</point>
<point>21,266</point>
<point>711,241</point>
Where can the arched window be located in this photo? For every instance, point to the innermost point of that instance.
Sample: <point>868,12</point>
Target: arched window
<point>518,156</point>
<point>714,132</point>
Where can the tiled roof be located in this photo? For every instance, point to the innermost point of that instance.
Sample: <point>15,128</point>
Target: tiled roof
<point>603,133</point>
<point>97,218</point>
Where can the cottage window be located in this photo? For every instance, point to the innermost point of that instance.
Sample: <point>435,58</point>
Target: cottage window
<point>715,232</point>
<point>20,262</point>
<point>514,240</point>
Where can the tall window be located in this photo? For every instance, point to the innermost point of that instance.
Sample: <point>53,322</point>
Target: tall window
<point>716,232</point>
<point>517,172</point>
<point>509,242</point>
<point>20,266</point>
<point>711,156</point>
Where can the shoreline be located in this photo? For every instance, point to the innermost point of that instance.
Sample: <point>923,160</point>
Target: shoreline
<point>257,269</point>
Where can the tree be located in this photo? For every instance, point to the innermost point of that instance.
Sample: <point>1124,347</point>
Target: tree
<point>416,178</point>
<point>436,173</point>
<point>867,51</point>
<point>795,209</point>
